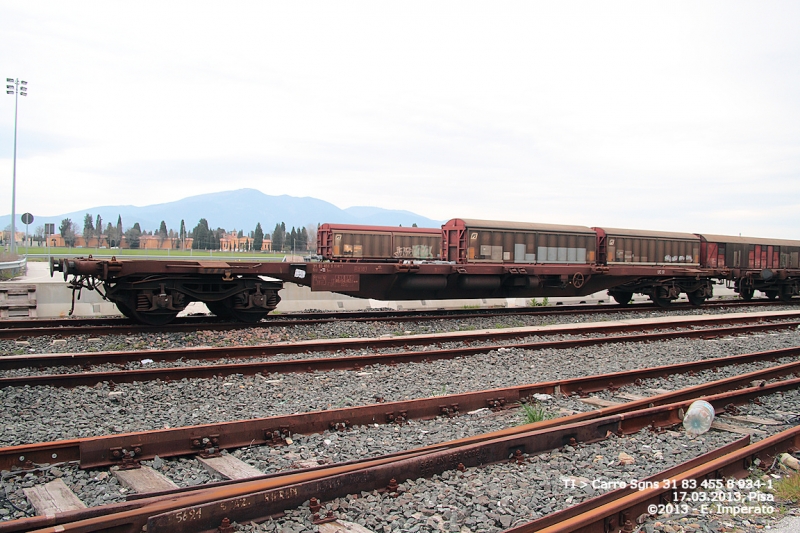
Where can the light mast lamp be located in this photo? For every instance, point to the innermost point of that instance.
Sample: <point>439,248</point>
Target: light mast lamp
<point>18,88</point>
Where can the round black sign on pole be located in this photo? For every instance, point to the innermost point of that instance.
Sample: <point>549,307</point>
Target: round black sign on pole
<point>27,218</point>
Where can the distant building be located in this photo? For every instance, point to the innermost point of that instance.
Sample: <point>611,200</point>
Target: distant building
<point>231,243</point>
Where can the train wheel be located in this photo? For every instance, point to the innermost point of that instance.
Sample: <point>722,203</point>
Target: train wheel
<point>660,298</point>
<point>219,309</point>
<point>226,310</point>
<point>697,298</point>
<point>622,298</point>
<point>786,293</point>
<point>746,290</point>
<point>771,295</point>
<point>236,307</point>
<point>154,318</point>
<point>125,310</point>
<point>249,316</point>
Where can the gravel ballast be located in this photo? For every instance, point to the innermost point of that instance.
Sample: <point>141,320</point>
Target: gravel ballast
<point>45,413</point>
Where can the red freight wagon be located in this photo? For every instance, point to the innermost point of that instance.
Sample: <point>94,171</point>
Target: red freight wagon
<point>347,242</point>
<point>771,266</point>
<point>486,241</point>
<point>725,251</point>
<point>639,247</point>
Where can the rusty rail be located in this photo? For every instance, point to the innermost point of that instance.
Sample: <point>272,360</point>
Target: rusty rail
<point>209,509</point>
<point>309,365</point>
<point>616,510</point>
<point>94,452</point>
<point>29,328</point>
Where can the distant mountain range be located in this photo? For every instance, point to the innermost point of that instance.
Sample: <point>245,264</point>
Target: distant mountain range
<point>240,210</point>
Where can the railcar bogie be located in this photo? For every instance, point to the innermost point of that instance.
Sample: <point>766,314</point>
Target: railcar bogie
<point>622,297</point>
<point>663,291</point>
<point>154,292</point>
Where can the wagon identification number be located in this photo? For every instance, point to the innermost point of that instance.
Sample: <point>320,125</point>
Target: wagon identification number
<point>189,515</point>
<point>333,282</point>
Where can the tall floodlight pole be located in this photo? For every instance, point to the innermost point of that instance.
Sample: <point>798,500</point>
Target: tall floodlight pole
<point>19,88</point>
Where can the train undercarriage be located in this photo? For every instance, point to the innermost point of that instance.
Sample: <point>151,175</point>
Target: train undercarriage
<point>774,287</point>
<point>157,300</point>
<point>154,292</point>
<point>662,291</point>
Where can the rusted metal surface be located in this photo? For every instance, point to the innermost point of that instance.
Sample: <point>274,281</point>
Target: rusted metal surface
<point>205,509</point>
<point>259,506</point>
<point>486,259</point>
<point>348,242</point>
<point>24,361</point>
<point>100,451</point>
<point>327,363</point>
<point>59,327</point>
<point>616,511</point>
<point>397,281</point>
<point>589,506</point>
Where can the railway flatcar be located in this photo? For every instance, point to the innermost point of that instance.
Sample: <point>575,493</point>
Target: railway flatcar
<point>466,258</point>
<point>771,266</point>
<point>343,242</point>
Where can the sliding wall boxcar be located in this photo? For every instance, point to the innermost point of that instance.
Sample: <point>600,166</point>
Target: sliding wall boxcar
<point>640,247</point>
<point>484,241</point>
<point>726,251</point>
<point>342,242</point>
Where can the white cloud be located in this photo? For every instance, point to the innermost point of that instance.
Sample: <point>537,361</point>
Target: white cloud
<point>624,114</point>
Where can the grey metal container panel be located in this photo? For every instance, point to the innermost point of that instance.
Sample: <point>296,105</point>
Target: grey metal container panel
<point>572,255</point>
<point>730,239</point>
<point>475,224</point>
<point>519,253</point>
<point>622,232</point>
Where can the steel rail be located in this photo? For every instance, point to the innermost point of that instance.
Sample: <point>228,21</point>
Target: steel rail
<point>616,511</point>
<point>95,358</point>
<point>327,363</point>
<point>96,452</point>
<point>37,327</point>
<point>210,509</point>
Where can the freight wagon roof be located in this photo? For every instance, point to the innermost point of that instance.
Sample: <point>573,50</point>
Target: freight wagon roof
<point>647,234</point>
<point>731,239</point>
<point>384,229</point>
<point>472,223</point>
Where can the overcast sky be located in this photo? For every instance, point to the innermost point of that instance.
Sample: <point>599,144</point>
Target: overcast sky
<point>679,116</point>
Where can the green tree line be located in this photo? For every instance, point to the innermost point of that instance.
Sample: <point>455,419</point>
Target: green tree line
<point>203,236</point>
